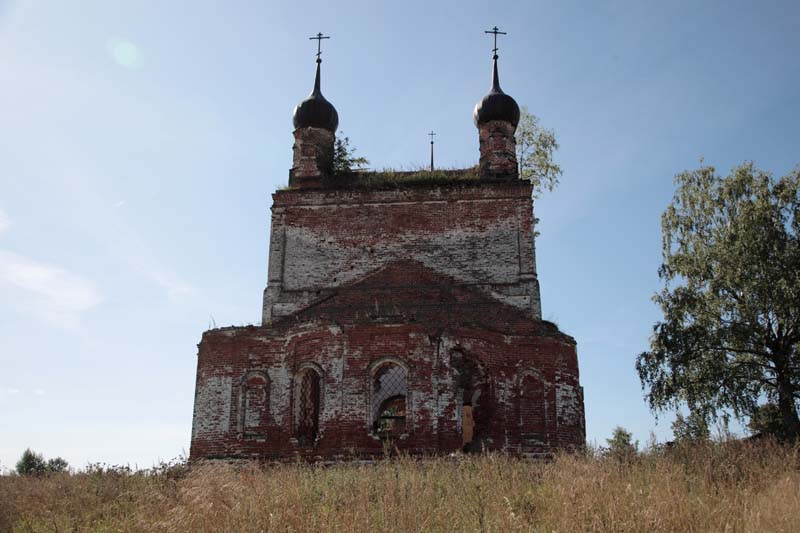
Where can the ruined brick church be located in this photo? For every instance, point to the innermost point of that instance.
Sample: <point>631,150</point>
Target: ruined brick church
<point>399,314</point>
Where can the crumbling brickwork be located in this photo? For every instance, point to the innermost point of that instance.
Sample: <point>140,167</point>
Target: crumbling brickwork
<point>498,149</point>
<point>480,235</point>
<point>390,318</point>
<point>313,157</point>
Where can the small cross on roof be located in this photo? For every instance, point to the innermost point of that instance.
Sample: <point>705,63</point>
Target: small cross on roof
<point>495,31</point>
<point>318,37</point>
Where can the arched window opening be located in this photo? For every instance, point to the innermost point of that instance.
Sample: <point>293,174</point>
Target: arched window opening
<point>389,400</point>
<point>308,398</point>
<point>533,408</point>
<point>473,388</point>
<point>254,404</point>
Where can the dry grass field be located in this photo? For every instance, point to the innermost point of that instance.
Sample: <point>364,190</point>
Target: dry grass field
<point>732,487</point>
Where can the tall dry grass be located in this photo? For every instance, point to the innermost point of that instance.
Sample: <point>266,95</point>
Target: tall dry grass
<point>734,487</point>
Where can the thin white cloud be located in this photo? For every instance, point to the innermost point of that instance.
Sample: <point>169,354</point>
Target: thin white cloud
<point>57,295</point>
<point>39,392</point>
<point>175,287</point>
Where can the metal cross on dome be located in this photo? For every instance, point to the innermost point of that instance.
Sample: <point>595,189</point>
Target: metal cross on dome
<point>318,37</point>
<point>431,134</point>
<point>495,31</point>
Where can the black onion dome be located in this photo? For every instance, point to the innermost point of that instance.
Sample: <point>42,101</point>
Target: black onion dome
<point>315,111</point>
<point>496,105</point>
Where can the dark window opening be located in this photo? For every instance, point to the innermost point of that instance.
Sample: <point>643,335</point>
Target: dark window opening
<point>392,417</point>
<point>473,386</point>
<point>389,401</point>
<point>308,396</point>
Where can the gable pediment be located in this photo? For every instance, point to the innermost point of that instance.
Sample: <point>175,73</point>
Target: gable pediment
<point>410,291</point>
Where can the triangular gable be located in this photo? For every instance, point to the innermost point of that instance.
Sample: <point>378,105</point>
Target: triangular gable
<point>409,290</point>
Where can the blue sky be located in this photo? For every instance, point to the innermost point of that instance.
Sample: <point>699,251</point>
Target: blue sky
<point>140,143</point>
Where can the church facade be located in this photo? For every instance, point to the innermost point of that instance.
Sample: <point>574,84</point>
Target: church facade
<point>400,314</point>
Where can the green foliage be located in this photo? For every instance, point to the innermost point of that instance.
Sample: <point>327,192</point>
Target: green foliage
<point>731,296</point>
<point>31,463</point>
<point>57,464</point>
<point>621,445</point>
<point>690,429</point>
<point>344,158</point>
<point>34,464</point>
<point>535,148</point>
<point>767,420</point>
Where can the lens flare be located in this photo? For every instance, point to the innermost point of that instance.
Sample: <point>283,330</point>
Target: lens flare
<point>125,53</point>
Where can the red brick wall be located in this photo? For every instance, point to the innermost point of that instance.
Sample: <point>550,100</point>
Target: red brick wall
<point>480,235</point>
<point>424,336</point>
<point>440,280</point>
